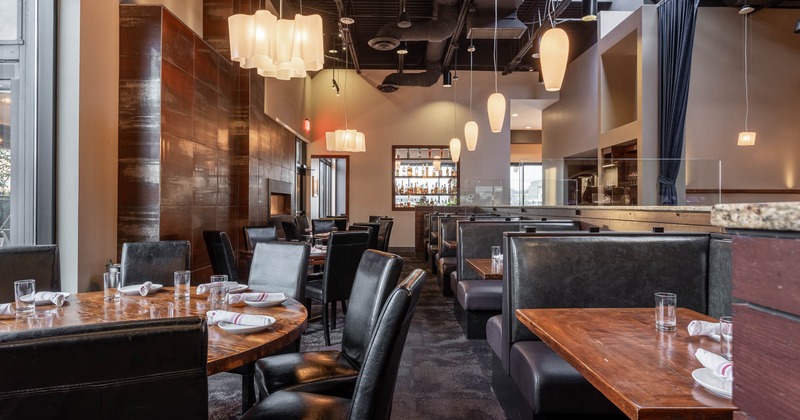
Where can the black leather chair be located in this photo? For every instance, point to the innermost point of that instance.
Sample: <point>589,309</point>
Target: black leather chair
<point>341,262</point>
<point>256,234</point>
<point>151,369</point>
<point>301,222</point>
<point>277,221</point>
<point>374,389</point>
<point>220,251</point>
<point>154,261</point>
<point>374,219</point>
<point>280,267</point>
<point>339,221</point>
<point>385,233</point>
<point>334,372</point>
<point>322,226</point>
<point>38,262</point>
<point>372,230</point>
<point>290,232</point>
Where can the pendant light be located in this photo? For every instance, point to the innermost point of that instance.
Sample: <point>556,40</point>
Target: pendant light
<point>346,140</point>
<point>496,105</point>
<point>553,54</point>
<point>471,127</point>
<point>746,137</point>
<point>279,48</point>
<point>455,142</point>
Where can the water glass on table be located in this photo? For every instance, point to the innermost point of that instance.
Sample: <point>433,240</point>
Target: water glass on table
<point>183,282</point>
<point>41,320</point>
<point>665,311</point>
<point>111,286</point>
<point>218,292</point>
<point>497,259</point>
<point>25,296</point>
<point>726,337</point>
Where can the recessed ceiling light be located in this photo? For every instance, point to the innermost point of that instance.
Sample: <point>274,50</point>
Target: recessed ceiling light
<point>515,115</point>
<point>528,127</point>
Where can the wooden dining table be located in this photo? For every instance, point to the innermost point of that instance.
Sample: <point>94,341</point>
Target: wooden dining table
<point>226,350</point>
<point>484,267</point>
<point>645,372</point>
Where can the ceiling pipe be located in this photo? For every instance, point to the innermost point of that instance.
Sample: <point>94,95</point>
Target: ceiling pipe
<point>347,37</point>
<point>512,65</point>
<point>436,32</point>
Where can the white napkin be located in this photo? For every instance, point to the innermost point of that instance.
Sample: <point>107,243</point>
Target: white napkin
<point>55,297</point>
<point>720,365</point>
<point>703,328</point>
<point>7,309</point>
<point>205,287</point>
<point>144,289</point>
<point>254,297</point>
<point>215,317</point>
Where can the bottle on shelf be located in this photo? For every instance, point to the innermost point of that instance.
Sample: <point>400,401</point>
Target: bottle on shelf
<point>409,171</point>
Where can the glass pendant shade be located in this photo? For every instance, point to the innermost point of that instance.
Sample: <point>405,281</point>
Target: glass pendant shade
<point>471,135</point>
<point>747,138</point>
<point>279,48</point>
<point>553,53</point>
<point>455,149</point>
<point>496,107</point>
<point>345,141</point>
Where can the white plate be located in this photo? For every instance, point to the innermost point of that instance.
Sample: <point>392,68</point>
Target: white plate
<point>243,329</point>
<point>713,383</point>
<point>133,289</point>
<point>266,303</point>
<point>43,302</point>
<point>234,287</point>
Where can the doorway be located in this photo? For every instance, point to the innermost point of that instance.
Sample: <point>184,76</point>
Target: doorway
<point>330,181</point>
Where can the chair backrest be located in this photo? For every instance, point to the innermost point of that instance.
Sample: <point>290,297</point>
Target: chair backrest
<point>301,221</point>
<point>377,275</point>
<point>322,226</point>
<point>374,391</point>
<point>290,232</point>
<point>338,221</point>
<point>385,232</point>
<point>122,370</point>
<point>38,262</point>
<point>277,221</point>
<point>374,219</point>
<point>599,270</point>
<point>220,251</point>
<point>280,267</point>
<point>154,261</point>
<point>373,234</point>
<point>256,234</point>
<point>344,254</point>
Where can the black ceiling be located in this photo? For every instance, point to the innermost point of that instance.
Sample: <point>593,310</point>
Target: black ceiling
<point>371,15</point>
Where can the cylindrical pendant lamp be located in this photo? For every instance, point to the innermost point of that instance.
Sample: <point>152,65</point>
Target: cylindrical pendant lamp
<point>554,52</point>
<point>496,108</point>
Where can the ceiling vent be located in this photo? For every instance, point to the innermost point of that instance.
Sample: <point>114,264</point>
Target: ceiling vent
<point>481,22</point>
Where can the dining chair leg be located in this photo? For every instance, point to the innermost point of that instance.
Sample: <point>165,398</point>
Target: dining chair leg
<point>344,307</point>
<point>325,324</point>
<point>333,315</point>
<point>248,386</point>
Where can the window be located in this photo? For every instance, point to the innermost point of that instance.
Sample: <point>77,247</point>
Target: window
<point>526,184</point>
<point>27,58</point>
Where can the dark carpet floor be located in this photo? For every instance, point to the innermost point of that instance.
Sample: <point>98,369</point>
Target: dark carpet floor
<point>442,374</point>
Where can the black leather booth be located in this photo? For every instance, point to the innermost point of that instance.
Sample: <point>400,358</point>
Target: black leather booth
<point>564,270</point>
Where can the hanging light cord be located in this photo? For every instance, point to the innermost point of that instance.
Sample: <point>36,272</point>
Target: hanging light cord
<point>346,85</point>
<point>470,80</point>
<point>746,87</point>
<point>455,110</point>
<point>495,46</point>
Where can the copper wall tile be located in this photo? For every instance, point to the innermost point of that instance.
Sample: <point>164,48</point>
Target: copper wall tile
<point>206,64</point>
<point>138,182</point>
<point>139,30</point>
<point>177,42</point>
<point>203,218</point>
<point>204,176</point>
<point>215,24</point>
<point>175,224</point>
<point>177,93</point>
<point>177,171</point>
<point>204,117</point>
<point>227,77</point>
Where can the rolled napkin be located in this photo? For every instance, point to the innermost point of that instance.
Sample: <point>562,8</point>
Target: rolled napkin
<point>205,287</point>
<point>144,289</point>
<point>215,317</point>
<point>703,328</point>
<point>254,297</point>
<point>721,366</point>
<point>55,297</point>
<point>7,309</point>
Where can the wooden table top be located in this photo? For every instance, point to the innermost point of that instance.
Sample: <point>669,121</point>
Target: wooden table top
<point>645,372</point>
<point>225,350</point>
<point>484,267</point>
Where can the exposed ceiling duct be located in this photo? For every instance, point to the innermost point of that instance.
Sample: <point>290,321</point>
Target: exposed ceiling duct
<point>481,22</point>
<point>436,31</point>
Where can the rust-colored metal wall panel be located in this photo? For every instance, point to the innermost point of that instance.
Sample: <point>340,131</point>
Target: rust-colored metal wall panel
<point>766,272</point>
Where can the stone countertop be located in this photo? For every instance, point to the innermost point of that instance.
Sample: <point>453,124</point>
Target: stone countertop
<point>699,209</point>
<point>762,216</point>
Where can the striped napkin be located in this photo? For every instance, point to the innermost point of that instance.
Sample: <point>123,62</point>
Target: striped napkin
<point>205,287</point>
<point>215,317</point>
<point>55,297</point>
<point>7,309</point>
<point>703,328</point>
<point>144,289</point>
<point>255,297</point>
<point>721,366</point>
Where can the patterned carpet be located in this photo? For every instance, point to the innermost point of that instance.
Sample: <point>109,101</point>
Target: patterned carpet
<point>442,374</point>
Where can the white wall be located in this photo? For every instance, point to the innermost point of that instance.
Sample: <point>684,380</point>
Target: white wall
<point>410,116</point>
<point>86,177</point>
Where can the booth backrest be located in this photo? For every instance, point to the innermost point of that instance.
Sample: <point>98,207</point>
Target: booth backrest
<point>599,270</point>
<point>447,232</point>
<point>720,275</point>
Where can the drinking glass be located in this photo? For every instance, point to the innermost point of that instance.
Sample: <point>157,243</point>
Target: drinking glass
<point>218,296</point>
<point>25,296</point>
<point>497,259</point>
<point>111,286</point>
<point>183,282</point>
<point>40,320</point>
<point>665,311</point>
<point>726,336</point>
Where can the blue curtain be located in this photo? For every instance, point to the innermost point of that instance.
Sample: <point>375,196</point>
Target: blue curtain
<point>676,23</point>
